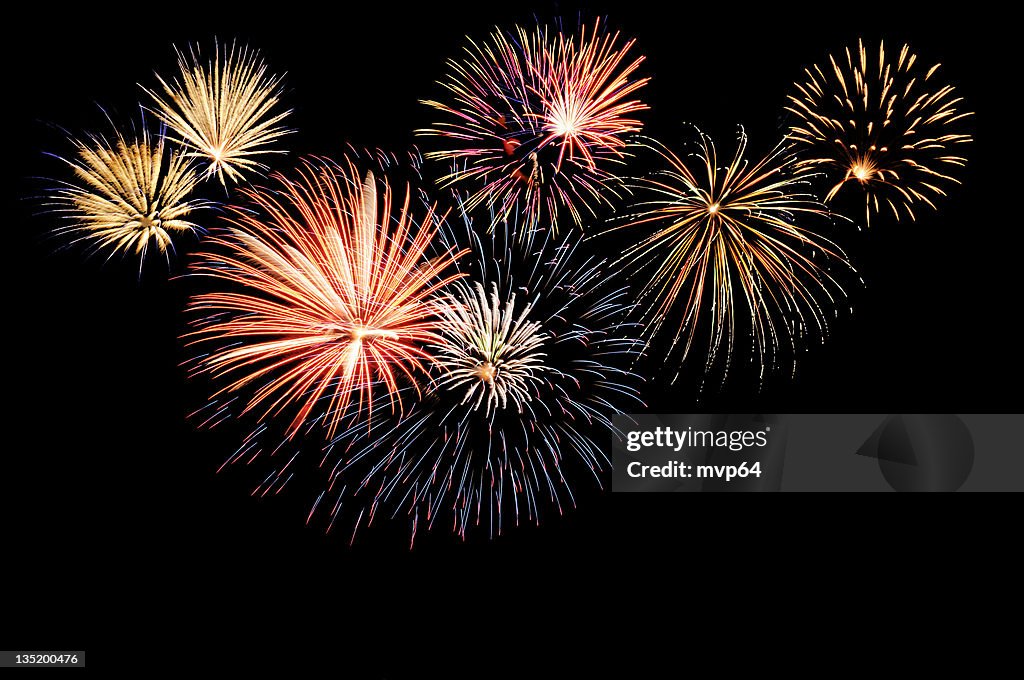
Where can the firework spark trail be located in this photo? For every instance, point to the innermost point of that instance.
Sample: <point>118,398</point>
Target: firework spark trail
<point>538,122</point>
<point>222,110</point>
<point>730,240</point>
<point>326,296</point>
<point>554,369</point>
<point>888,126</point>
<point>127,193</point>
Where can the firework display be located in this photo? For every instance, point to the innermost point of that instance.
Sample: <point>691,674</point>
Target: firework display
<point>128,192</point>
<point>325,295</point>
<point>886,127</point>
<point>461,377</point>
<point>538,121</point>
<point>534,357</point>
<point>223,110</point>
<point>733,242</point>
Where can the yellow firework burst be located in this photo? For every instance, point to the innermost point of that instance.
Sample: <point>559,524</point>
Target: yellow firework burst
<point>885,126</point>
<point>731,243</point>
<point>127,194</point>
<point>222,110</point>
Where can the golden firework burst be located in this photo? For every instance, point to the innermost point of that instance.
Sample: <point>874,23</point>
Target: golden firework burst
<point>222,109</point>
<point>127,194</point>
<point>733,242</point>
<point>886,126</point>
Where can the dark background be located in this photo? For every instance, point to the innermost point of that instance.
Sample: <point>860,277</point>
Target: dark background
<point>119,538</point>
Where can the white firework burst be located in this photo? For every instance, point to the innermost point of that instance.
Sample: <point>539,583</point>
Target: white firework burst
<point>491,349</point>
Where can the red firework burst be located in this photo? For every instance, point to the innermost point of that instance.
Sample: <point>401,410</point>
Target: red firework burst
<point>539,120</point>
<point>325,295</point>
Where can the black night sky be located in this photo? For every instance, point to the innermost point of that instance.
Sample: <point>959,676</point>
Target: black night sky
<point>113,512</point>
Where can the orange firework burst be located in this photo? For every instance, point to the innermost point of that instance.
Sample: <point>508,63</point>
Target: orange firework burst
<point>731,242</point>
<point>887,127</point>
<point>326,294</point>
<point>538,121</point>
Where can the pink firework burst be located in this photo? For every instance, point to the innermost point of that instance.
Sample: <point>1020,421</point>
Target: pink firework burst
<point>585,90</point>
<point>539,121</point>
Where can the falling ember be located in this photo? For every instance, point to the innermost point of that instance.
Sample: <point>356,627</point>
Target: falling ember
<point>888,125</point>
